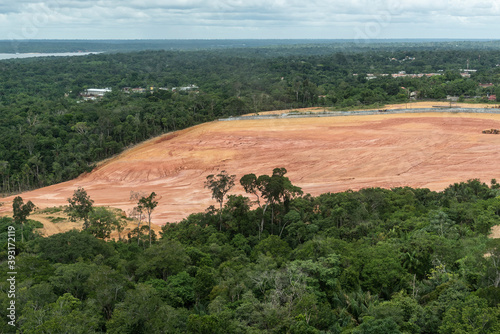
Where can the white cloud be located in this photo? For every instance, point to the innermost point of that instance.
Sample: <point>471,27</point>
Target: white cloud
<point>243,18</point>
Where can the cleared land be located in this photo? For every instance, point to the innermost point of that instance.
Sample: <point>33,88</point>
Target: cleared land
<point>410,105</point>
<point>321,155</point>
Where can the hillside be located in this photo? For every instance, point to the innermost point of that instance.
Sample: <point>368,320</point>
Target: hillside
<point>321,155</point>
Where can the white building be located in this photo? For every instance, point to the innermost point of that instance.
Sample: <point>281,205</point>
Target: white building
<point>96,91</point>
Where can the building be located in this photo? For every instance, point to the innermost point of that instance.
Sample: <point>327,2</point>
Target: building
<point>97,91</point>
<point>138,90</point>
<point>94,93</point>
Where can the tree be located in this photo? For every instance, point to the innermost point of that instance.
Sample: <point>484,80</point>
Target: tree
<point>237,208</point>
<point>106,288</point>
<point>71,278</point>
<point>162,260</point>
<point>276,188</point>
<point>177,291</point>
<point>274,247</point>
<point>220,185</point>
<point>377,326</point>
<point>148,204</point>
<point>251,186</point>
<point>471,316</point>
<point>142,235</point>
<point>80,206</point>
<point>21,212</point>
<point>492,263</point>
<point>204,283</point>
<point>380,269</point>
<point>441,225</point>
<point>137,211</point>
<point>69,246</point>
<point>101,222</point>
<point>4,170</point>
<point>142,311</point>
<point>403,310</point>
<point>66,315</point>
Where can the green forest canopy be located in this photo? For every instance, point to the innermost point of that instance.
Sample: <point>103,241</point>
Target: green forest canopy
<point>49,134</point>
<point>372,261</point>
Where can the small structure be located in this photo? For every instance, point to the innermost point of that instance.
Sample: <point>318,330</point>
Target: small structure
<point>97,91</point>
<point>94,93</point>
<point>138,90</point>
<point>186,88</point>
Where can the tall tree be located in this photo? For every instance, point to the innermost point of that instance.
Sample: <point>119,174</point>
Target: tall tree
<point>137,211</point>
<point>80,206</point>
<point>102,221</point>
<point>276,188</point>
<point>148,204</point>
<point>21,212</point>
<point>4,170</point>
<point>220,185</point>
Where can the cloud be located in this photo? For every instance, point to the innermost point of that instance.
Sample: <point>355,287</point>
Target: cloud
<point>241,18</point>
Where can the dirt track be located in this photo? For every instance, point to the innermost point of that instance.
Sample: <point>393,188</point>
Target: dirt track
<point>410,105</point>
<point>320,154</point>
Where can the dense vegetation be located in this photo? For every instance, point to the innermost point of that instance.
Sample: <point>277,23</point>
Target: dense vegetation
<point>49,134</point>
<point>373,261</point>
<point>277,261</point>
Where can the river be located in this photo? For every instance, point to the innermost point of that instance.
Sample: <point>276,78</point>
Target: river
<point>31,55</point>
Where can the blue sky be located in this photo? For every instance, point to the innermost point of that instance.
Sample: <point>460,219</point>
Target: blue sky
<point>243,19</point>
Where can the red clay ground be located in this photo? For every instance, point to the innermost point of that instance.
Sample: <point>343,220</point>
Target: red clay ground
<point>321,155</point>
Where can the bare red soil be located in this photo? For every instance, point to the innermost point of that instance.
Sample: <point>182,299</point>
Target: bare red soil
<point>327,154</point>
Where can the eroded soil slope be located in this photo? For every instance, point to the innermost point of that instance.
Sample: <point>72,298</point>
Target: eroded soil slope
<point>321,155</point>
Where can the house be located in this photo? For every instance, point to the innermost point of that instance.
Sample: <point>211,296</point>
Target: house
<point>94,93</point>
<point>492,97</point>
<point>485,85</point>
<point>129,90</point>
<point>97,91</point>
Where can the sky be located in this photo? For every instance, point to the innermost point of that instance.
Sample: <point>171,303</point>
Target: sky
<point>249,19</point>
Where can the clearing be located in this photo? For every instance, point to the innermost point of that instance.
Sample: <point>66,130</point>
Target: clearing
<point>327,154</point>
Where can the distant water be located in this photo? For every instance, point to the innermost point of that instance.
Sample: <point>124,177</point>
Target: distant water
<point>31,55</point>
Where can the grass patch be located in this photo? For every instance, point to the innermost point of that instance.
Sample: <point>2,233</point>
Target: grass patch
<point>56,220</point>
<point>51,210</point>
<point>34,223</point>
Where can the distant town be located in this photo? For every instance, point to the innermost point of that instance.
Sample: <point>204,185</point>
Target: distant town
<point>92,94</point>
